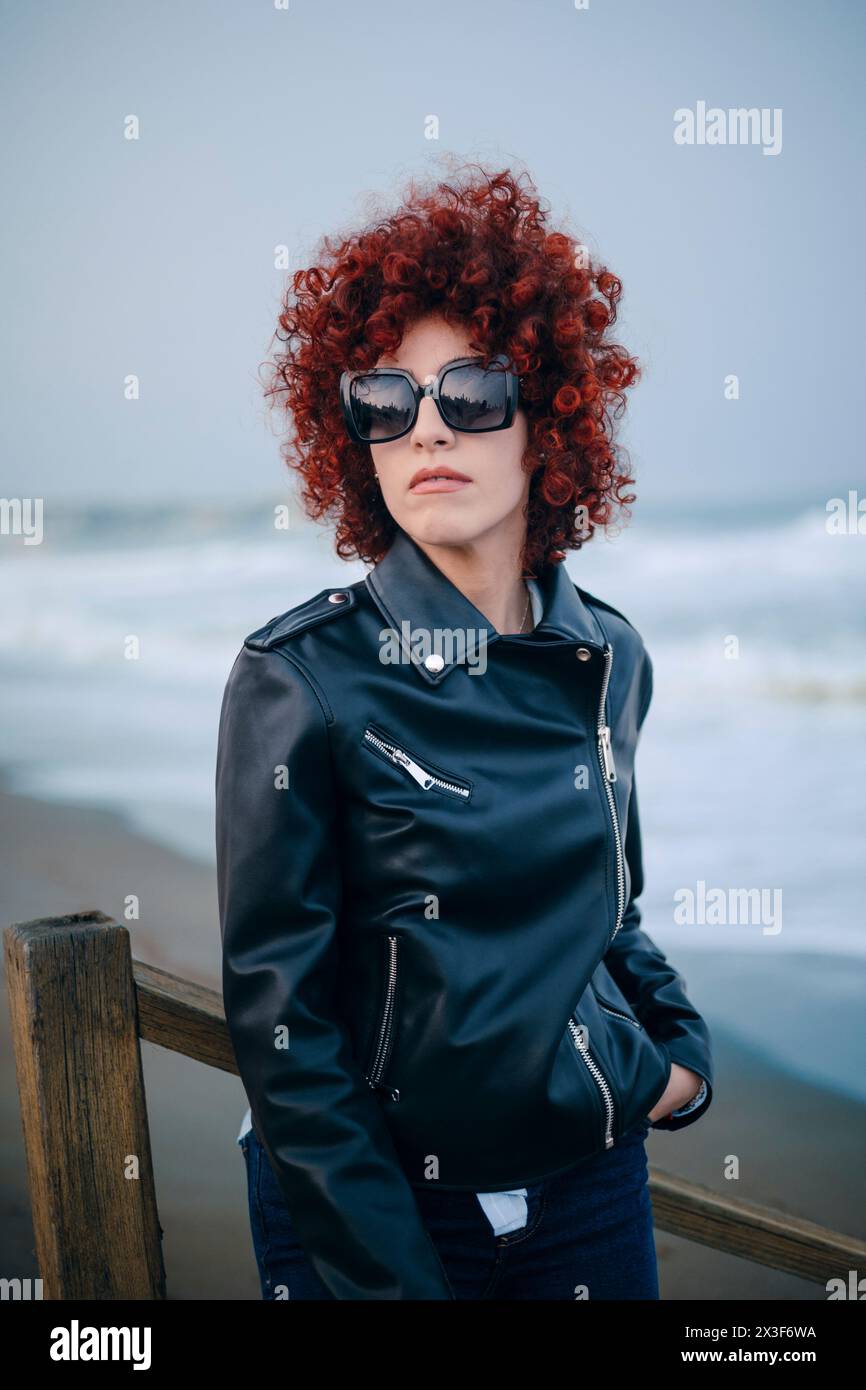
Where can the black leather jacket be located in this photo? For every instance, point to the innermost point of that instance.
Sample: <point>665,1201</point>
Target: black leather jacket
<point>433,967</point>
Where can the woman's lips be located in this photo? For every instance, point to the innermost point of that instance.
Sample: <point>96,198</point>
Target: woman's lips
<point>440,485</point>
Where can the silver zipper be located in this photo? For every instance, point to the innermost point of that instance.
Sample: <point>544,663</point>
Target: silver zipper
<point>608,769</point>
<point>599,1078</point>
<point>422,777</point>
<point>616,1014</point>
<point>386,1026</point>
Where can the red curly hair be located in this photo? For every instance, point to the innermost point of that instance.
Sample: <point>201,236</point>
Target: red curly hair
<point>475,249</point>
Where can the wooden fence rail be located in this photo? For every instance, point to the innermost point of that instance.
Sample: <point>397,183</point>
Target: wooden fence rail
<point>80,1004</point>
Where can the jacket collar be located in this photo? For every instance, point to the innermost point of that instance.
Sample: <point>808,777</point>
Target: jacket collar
<point>437,627</point>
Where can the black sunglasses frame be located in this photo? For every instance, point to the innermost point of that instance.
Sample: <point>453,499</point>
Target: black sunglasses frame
<point>431,389</point>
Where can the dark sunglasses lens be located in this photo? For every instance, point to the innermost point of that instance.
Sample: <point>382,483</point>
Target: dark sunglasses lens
<point>474,399</point>
<point>382,406</point>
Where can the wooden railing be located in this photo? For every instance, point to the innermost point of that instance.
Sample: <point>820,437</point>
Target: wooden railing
<point>80,1003</point>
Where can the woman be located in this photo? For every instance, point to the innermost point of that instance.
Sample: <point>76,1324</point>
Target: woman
<point>451,1029</point>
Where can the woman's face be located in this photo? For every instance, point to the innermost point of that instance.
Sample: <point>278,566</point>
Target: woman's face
<point>490,493</point>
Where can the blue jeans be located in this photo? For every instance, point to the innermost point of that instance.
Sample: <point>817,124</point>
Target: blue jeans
<point>588,1234</point>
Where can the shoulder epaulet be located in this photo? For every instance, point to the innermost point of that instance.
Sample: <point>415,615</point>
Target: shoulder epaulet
<point>600,603</point>
<point>330,603</point>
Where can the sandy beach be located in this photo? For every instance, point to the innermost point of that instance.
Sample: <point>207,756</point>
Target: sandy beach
<point>801,1147</point>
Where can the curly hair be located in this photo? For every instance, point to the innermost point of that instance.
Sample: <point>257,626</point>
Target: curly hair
<point>475,249</point>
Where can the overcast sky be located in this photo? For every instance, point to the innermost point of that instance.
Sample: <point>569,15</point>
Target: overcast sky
<point>261,126</point>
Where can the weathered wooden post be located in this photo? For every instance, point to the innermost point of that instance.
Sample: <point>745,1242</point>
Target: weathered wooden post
<point>75,1030</point>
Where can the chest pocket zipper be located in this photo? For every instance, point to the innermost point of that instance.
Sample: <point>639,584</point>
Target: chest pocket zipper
<point>388,749</point>
<point>384,1039</point>
<point>598,1076</point>
<point>617,1013</point>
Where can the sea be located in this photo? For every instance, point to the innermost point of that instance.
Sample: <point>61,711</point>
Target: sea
<point>751,767</point>
<point>752,762</point>
<point>118,631</point>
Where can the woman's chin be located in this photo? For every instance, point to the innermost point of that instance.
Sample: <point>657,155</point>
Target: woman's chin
<point>431,529</point>
<point>443,523</point>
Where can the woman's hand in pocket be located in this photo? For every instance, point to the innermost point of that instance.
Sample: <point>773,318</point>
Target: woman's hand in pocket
<point>683,1085</point>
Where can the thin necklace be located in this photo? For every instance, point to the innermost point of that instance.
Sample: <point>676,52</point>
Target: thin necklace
<point>525,611</point>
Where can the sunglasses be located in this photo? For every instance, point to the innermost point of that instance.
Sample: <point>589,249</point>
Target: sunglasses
<point>381,403</point>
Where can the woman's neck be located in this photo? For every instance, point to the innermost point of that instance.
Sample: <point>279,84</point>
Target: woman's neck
<point>488,574</point>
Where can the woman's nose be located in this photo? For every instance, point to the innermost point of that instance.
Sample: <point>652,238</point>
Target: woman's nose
<point>430,425</point>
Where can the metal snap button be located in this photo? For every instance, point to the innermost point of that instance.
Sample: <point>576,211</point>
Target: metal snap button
<point>337,598</point>
<point>434,662</point>
<point>583,654</point>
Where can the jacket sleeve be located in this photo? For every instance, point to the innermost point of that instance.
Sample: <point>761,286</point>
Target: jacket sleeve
<point>653,988</point>
<point>280,887</point>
